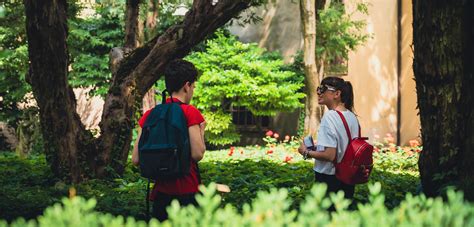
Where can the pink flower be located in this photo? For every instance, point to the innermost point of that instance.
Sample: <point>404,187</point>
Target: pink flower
<point>389,138</point>
<point>269,133</point>
<point>287,138</point>
<point>275,135</point>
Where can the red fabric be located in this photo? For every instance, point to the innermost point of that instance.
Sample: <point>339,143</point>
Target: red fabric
<point>189,183</point>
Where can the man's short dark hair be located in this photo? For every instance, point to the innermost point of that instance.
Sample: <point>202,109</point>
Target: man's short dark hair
<point>177,73</point>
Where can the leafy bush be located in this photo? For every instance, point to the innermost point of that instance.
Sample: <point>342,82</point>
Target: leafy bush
<point>246,170</point>
<point>235,74</point>
<point>273,209</point>
<point>90,40</point>
<point>13,61</point>
<point>28,186</point>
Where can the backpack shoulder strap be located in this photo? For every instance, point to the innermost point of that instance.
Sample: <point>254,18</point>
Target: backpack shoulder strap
<point>346,126</point>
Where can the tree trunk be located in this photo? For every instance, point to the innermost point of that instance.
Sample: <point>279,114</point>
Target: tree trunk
<point>71,150</point>
<point>68,145</point>
<point>131,24</point>
<point>149,100</point>
<point>150,22</point>
<point>308,18</point>
<point>444,72</point>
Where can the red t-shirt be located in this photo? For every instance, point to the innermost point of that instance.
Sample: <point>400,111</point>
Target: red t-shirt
<point>189,183</point>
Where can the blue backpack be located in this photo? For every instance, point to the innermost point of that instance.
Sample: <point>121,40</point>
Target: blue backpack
<point>164,149</point>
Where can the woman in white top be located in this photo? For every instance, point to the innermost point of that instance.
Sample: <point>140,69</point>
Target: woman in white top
<point>332,139</point>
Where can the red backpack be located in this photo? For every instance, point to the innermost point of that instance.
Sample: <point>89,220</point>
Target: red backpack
<point>356,165</point>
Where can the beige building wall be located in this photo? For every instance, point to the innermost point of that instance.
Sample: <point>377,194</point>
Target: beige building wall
<point>373,68</point>
<point>410,120</point>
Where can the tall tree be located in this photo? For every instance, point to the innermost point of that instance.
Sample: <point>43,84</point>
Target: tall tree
<point>72,151</point>
<point>443,38</point>
<point>131,24</point>
<point>313,73</point>
<point>312,80</point>
<point>150,25</point>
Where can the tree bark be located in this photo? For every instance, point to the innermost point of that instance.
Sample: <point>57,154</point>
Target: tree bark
<point>444,72</point>
<point>131,24</point>
<point>312,80</point>
<point>69,148</point>
<point>149,100</point>
<point>152,14</point>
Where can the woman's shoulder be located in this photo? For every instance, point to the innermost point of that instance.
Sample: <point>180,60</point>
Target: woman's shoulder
<point>332,115</point>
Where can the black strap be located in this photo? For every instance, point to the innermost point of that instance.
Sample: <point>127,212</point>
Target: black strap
<point>198,173</point>
<point>148,200</point>
<point>163,96</point>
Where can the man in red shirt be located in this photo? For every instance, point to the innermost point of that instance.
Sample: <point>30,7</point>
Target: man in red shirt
<point>180,77</point>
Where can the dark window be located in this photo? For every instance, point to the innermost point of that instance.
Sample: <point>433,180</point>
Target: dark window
<point>244,119</point>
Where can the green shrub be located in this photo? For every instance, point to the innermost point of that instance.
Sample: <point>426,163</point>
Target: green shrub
<point>236,74</point>
<point>273,209</point>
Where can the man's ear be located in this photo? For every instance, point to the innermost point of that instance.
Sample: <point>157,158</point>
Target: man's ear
<point>186,86</point>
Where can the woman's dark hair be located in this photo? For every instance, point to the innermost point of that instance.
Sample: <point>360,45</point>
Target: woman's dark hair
<point>177,73</point>
<point>347,94</point>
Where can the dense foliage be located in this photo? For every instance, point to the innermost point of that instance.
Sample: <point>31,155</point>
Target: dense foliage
<point>247,170</point>
<point>235,74</point>
<point>14,59</point>
<point>273,209</point>
<point>90,40</point>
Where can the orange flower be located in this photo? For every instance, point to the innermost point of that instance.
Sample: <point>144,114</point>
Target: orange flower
<point>288,159</point>
<point>414,143</point>
<point>393,148</point>
<point>270,152</point>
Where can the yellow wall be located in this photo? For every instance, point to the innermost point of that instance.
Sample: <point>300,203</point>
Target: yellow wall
<point>373,68</point>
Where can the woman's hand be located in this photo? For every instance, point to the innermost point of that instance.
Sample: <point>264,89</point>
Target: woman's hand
<point>302,149</point>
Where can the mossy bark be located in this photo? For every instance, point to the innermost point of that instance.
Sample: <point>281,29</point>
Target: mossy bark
<point>68,146</point>
<point>444,73</point>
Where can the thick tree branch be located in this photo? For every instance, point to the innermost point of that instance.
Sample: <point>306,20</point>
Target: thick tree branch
<point>143,67</point>
<point>200,21</point>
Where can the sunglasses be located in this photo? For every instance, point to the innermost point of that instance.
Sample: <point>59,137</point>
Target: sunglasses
<point>323,88</point>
